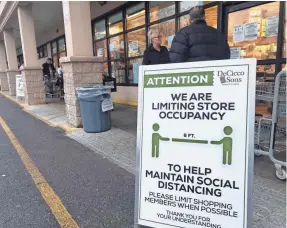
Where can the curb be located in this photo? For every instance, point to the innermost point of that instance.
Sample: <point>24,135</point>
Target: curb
<point>67,129</point>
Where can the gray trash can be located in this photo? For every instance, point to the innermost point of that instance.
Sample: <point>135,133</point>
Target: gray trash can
<point>96,105</point>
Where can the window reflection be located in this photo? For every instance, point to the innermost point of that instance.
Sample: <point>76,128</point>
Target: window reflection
<point>118,71</point>
<point>265,73</point>
<point>254,31</point>
<point>135,16</point>
<point>167,30</point>
<point>210,17</point>
<point>116,47</point>
<point>101,49</point>
<point>136,42</point>
<point>45,51</point>
<point>115,23</point>
<point>106,68</point>
<point>54,47</point>
<point>61,44</point>
<point>100,29</point>
<point>134,70</point>
<point>187,5</point>
<point>284,45</point>
<point>160,10</point>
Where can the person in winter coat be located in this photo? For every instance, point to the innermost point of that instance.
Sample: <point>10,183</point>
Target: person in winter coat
<point>155,53</point>
<point>198,41</point>
<point>48,68</point>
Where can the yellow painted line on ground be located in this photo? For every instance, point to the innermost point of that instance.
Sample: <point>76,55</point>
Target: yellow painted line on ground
<point>54,202</point>
<point>131,103</point>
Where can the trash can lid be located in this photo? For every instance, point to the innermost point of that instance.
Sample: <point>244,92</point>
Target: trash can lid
<point>96,90</point>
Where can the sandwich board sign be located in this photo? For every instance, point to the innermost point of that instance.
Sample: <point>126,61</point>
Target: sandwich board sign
<point>195,144</point>
<point>19,85</point>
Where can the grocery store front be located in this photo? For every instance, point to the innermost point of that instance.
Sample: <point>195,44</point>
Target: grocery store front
<point>253,30</point>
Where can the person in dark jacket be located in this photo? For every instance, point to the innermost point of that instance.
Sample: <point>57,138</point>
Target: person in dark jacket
<point>48,68</point>
<point>198,41</point>
<point>155,53</point>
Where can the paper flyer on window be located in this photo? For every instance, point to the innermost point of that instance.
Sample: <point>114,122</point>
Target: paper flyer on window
<point>100,52</point>
<point>235,52</point>
<point>250,32</point>
<point>131,47</point>
<point>272,26</point>
<point>238,33</point>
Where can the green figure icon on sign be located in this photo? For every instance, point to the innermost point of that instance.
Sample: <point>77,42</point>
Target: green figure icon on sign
<point>227,145</point>
<point>156,138</point>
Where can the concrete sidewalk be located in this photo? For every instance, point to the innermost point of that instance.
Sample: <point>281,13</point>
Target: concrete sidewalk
<point>52,113</point>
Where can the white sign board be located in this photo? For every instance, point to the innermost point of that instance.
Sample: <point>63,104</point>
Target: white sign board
<point>19,85</point>
<point>238,33</point>
<point>195,144</point>
<point>235,52</point>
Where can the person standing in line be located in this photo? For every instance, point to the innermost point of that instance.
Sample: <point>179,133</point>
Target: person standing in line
<point>198,41</point>
<point>48,68</point>
<point>155,53</point>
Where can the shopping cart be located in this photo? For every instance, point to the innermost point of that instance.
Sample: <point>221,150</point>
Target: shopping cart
<point>52,88</point>
<point>270,132</point>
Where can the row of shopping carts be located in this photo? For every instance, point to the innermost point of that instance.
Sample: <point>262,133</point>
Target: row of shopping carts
<point>270,131</point>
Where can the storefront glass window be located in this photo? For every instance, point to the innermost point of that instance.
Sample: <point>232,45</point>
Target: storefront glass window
<point>167,30</point>
<point>265,73</point>
<point>106,67</point>
<point>210,17</point>
<point>54,47</point>
<point>19,51</point>
<point>135,16</point>
<point>118,71</point>
<point>45,51</point>
<point>62,45</point>
<point>115,23</point>
<point>40,53</point>
<point>187,5</point>
<point>136,42</point>
<point>101,49</point>
<point>134,70</point>
<point>100,29</point>
<point>252,33</point>
<point>284,46</point>
<point>160,10</point>
<point>116,47</point>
